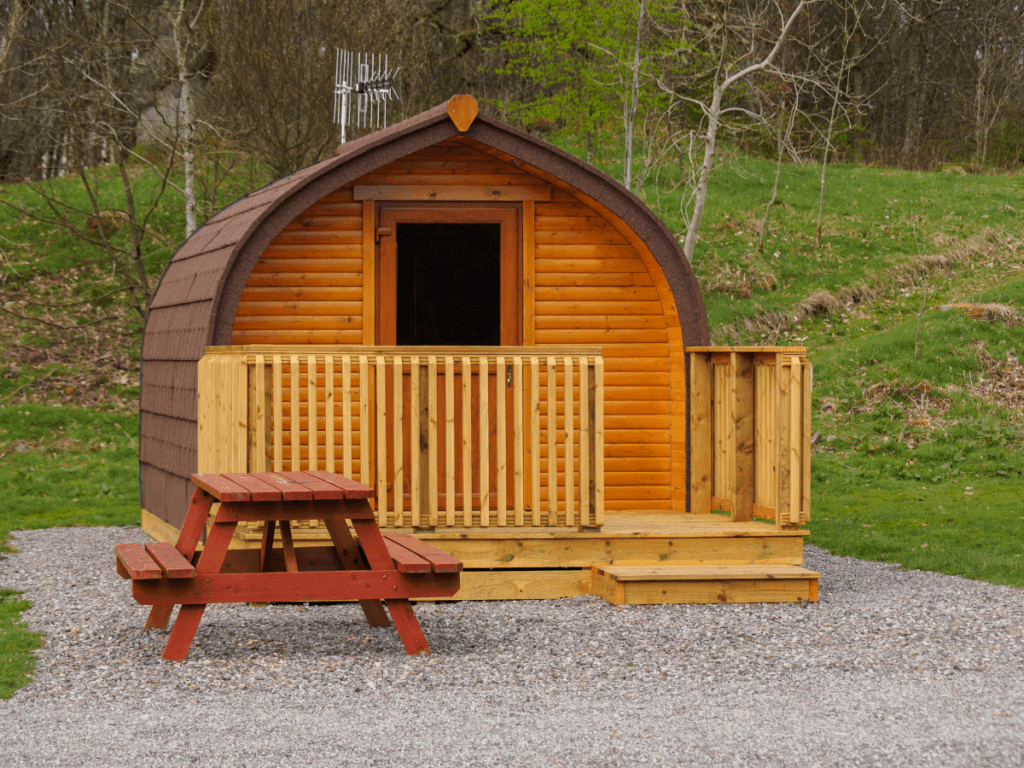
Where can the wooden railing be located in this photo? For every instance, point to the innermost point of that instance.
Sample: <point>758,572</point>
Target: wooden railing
<point>750,432</point>
<point>448,437</point>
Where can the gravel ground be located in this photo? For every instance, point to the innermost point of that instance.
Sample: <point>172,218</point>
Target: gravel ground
<point>890,668</point>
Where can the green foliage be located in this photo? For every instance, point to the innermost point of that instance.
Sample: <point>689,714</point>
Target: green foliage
<point>16,645</point>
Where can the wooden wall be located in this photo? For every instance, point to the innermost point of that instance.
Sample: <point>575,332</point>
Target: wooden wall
<point>584,283</point>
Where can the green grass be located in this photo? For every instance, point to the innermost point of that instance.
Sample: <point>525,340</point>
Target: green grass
<point>16,645</point>
<point>67,466</point>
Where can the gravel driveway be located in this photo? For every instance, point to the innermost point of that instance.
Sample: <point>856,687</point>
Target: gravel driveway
<point>890,668</point>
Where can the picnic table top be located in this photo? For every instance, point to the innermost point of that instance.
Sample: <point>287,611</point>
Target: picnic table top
<point>280,486</point>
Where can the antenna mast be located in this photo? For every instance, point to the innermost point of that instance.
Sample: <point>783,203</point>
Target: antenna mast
<point>368,77</point>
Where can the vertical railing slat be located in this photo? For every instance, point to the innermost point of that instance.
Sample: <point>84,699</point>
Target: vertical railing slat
<point>467,442</point>
<point>805,443</point>
<point>278,414</point>
<point>570,501</point>
<point>432,437</point>
<point>313,408</point>
<point>365,442</point>
<point>329,413</point>
<point>382,442</point>
<point>296,414</point>
<point>585,517</point>
<point>449,443</point>
<point>346,415</point>
<point>795,434</point>
<point>535,436</point>
<point>485,437</point>
<point>259,458</point>
<point>397,442</point>
<point>599,441</point>
<point>518,441</point>
<point>501,460</point>
<point>552,425</point>
<point>414,438</point>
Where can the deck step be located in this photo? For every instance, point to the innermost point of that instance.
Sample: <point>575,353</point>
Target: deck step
<point>656,584</point>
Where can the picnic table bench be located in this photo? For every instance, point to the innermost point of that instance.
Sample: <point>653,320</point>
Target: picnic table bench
<point>369,567</point>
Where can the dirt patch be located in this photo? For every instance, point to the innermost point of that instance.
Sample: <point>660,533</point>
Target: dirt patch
<point>70,342</point>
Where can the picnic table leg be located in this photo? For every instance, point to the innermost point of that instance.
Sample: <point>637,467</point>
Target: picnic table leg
<point>347,550</point>
<point>188,540</point>
<point>376,551</point>
<point>185,626</point>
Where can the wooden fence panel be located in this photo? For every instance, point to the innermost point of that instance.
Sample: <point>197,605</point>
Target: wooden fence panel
<point>278,408</point>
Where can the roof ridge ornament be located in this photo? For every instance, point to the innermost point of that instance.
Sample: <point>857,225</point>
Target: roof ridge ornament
<point>463,109</point>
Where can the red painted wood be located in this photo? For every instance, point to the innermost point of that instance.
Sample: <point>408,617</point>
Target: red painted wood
<point>220,487</point>
<point>298,587</point>
<point>170,560</point>
<point>183,632</point>
<point>134,561</point>
<point>406,561</point>
<point>267,544</point>
<point>185,626</point>
<point>372,542</point>
<point>259,490</point>
<point>352,560</point>
<point>288,547</point>
<point>195,523</point>
<point>292,510</point>
<point>408,627</point>
<point>188,540</point>
<point>441,562</point>
<point>353,490</point>
<point>290,490</point>
<point>322,489</point>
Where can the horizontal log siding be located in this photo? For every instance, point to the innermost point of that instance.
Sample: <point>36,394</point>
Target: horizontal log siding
<point>307,288</point>
<point>592,287</point>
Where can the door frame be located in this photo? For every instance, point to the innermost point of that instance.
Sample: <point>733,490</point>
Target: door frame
<point>508,215</point>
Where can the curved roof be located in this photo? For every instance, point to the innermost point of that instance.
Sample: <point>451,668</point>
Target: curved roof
<point>195,302</point>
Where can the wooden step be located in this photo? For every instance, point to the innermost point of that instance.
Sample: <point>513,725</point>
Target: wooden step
<point>656,584</point>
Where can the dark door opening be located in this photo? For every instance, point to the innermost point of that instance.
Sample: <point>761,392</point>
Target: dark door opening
<point>448,284</point>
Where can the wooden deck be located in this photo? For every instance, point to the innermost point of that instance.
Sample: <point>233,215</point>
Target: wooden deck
<point>634,558</point>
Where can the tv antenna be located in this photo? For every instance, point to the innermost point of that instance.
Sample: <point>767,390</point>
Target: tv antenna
<point>368,77</point>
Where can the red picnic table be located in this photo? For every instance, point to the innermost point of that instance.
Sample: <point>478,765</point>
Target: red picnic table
<point>369,567</point>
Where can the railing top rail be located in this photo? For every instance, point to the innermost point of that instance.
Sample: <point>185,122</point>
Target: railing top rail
<point>784,350</point>
<point>370,351</point>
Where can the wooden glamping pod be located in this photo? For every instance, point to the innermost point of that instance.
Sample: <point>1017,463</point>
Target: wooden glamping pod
<point>508,346</point>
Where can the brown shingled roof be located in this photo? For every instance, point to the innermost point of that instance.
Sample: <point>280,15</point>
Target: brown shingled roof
<point>196,300</point>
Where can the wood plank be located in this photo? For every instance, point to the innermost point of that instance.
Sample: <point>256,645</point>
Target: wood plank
<point>451,192</point>
<point>599,438</point>
<point>353,490</point>
<point>534,444</point>
<point>552,472</point>
<point>569,438</point>
<point>346,411</point>
<point>259,489</point>
<point>289,488</point>
<point>398,443</point>
<point>449,426</point>
<point>329,415</point>
<point>440,561</point>
<point>293,413</point>
<point>467,441</point>
<point>135,562</point>
<point>484,440</point>
<point>369,260</point>
<point>518,441</point>
<point>317,586</point>
<point>381,487</point>
<point>743,427</point>
<point>311,404</point>
<point>704,572</point>
<point>417,400</point>
<point>406,561</point>
<point>365,433</point>
<point>220,487</point>
<point>434,468</point>
<point>501,459</point>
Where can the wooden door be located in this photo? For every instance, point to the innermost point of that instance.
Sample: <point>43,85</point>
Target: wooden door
<point>393,328</point>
